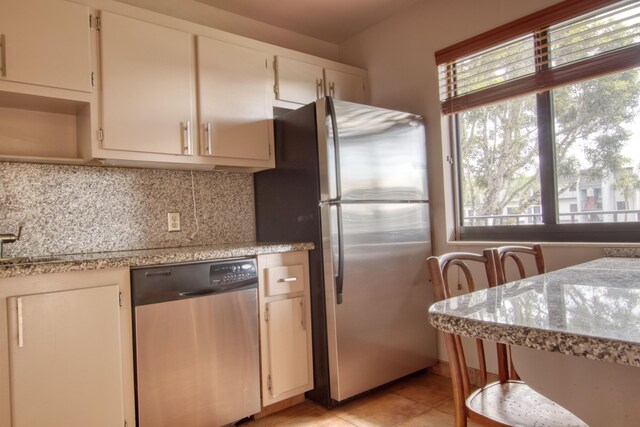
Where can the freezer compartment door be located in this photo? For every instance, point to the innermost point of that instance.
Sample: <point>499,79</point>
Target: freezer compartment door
<point>378,154</point>
<point>379,332</point>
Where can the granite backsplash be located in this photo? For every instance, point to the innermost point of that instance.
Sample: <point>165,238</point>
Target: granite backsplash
<point>75,209</point>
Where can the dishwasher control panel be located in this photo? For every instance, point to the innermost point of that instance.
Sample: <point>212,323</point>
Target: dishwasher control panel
<point>230,273</point>
<point>165,283</point>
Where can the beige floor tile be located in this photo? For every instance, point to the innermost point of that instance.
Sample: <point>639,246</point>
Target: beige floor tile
<point>432,380</point>
<point>446,406</point>
<point>434,418</point>
<point>407,403</point>
<point>430,418</point>
<point>316,417</point>
<point>428,390</point>
<point>285,414</point>
<point>380,410</point>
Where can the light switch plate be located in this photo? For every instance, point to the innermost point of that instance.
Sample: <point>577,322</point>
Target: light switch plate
<point>173,221</point>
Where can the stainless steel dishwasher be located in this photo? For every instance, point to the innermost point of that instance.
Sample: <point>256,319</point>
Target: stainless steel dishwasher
<point>196,343</point>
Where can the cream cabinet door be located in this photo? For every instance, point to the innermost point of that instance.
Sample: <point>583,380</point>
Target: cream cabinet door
<point>65,358</point>
<point>298,81</point>
<point>45,42</point>
<point>234,100</point>
<point>345,86</point>
<point>285,325</point>
<point>287,338</point>
<point>147,87</point>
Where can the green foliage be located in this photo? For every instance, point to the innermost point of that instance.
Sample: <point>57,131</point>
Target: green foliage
<point>499,143</point>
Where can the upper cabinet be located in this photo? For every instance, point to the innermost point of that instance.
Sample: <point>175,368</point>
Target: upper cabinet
<point>170,93</point>
<point>149,97</point>
<point>147,87</point>
<point>45,42</point>
<point>234,103</point>
<point>345,86</point>
<point>302,83</point>
<point>297,81</point>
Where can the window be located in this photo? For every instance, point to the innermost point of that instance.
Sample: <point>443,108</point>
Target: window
<point>547,125</point>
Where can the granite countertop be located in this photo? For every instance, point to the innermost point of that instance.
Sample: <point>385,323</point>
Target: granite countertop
<point>102,260</point>
<point>590,310</point>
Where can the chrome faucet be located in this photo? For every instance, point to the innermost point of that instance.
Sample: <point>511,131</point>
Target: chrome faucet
<point>8,238</point>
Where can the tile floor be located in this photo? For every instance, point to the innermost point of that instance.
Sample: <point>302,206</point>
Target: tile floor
<point>419,401</point>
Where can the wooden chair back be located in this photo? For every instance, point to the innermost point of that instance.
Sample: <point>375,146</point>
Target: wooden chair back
<point>505,253</point>
<point>515,253</point>
<point>439,268</point>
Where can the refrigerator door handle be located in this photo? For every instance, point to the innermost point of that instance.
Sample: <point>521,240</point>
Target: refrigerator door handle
<point>340,273</point>
<point>336,146</point>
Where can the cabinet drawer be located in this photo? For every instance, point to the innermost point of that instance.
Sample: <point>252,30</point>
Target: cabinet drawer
<point>284,280</point>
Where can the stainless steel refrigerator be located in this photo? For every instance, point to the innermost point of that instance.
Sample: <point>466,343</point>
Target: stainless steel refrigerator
<point>352,179</point>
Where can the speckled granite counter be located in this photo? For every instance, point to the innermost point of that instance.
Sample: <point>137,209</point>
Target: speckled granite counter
<point>590,310</point>
<point>94,261</point>
<point>629,252</point>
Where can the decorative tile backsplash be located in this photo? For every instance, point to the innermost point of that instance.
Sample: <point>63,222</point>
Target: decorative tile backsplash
<point>75,209</point>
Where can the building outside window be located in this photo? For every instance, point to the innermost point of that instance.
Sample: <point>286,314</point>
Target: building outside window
<point>547,130</point>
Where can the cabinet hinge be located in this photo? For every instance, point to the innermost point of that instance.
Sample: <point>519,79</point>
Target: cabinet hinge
<point>100,136</point>
<point>268,382</point>
<point>93,79</point>
<point>98,23</point>
<point>276,90</point>
<point>120,302</point>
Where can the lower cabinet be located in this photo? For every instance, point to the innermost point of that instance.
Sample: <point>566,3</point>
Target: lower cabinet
<point>68,362</point>
<point>285,326</point>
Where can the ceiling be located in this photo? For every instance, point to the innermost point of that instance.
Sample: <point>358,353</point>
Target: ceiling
<point>331,20</point>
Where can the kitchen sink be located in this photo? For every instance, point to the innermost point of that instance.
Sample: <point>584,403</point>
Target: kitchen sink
<point>27,260</point>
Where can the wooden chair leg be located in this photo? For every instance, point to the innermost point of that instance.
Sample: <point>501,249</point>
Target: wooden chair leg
<point>503,362</point>
<point>459,397</point>
<point>513,374</point>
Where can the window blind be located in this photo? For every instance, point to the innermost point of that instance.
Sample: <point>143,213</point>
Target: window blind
<point>602,40</point>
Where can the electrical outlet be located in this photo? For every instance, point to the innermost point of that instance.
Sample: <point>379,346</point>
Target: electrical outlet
<point>173,219</point>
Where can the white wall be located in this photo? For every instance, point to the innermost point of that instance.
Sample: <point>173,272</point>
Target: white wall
<point>399,54</point>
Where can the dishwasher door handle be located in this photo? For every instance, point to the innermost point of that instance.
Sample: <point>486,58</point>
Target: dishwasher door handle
<point>219,289</point>
<point>199,292</point>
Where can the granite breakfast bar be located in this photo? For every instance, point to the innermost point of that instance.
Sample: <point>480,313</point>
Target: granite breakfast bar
<point>575,334</point>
